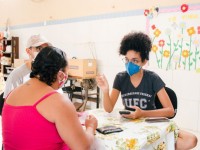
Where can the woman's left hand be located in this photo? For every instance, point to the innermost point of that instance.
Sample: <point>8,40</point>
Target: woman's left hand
<point>134,114</point>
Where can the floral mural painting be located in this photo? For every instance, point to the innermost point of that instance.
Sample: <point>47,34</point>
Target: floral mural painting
<point>151,13</point>
<point>175,36</point>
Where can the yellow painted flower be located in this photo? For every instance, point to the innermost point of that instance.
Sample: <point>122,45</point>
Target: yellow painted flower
<point>185,53</point>
<point>166,53</point>
<point>191,31</point>
<point>131,143</point>
<point>127,144</point>
<point>154,48</point>
<point>157,32</point>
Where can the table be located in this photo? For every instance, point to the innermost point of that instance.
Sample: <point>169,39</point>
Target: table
<point>136,135</point>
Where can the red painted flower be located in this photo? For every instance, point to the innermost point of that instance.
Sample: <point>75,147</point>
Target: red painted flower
<point>146,12</point>
<point>198,29</point>
<point>161,43</point>
<point>153,27</point>
<point>184,8</point>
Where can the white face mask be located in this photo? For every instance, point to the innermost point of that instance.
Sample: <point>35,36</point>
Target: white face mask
<point>35,54</point>
<point>62,82</point>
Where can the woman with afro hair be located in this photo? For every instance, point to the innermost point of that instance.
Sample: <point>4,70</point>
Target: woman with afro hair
<point>138,87</point>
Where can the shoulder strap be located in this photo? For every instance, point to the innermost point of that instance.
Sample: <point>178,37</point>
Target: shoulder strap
<point>45,96</point>
<point>6,96</point>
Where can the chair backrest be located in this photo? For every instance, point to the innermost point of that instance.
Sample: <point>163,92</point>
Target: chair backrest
<point>173,98</point>
<point>72,91</point>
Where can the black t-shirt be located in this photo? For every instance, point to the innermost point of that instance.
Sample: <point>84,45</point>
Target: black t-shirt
<point>142,96</point>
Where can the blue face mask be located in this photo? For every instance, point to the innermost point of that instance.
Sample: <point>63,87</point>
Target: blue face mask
<point>132,68</point>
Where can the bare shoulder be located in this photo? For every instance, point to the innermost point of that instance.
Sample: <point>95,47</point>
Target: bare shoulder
<point>55,107</point>
<point>60,101</point>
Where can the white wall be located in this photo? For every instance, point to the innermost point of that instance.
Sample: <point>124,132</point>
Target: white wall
<point>98,38</point>
<point>187,87</point>
<point>102,36</point>
<point>32,11</point>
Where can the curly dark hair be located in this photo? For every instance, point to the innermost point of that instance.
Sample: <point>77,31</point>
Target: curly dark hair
<point>48,63</point>
<point>137,41</point>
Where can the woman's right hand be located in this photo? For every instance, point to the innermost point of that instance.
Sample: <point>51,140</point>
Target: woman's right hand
<point>136,114</point>
<point>92,122</point>
<point>102,83</point>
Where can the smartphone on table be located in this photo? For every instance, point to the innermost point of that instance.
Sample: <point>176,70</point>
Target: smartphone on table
<point>156,119</point>
<point>124,112</point>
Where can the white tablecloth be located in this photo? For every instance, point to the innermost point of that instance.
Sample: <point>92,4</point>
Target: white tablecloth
<point>137,134</point>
